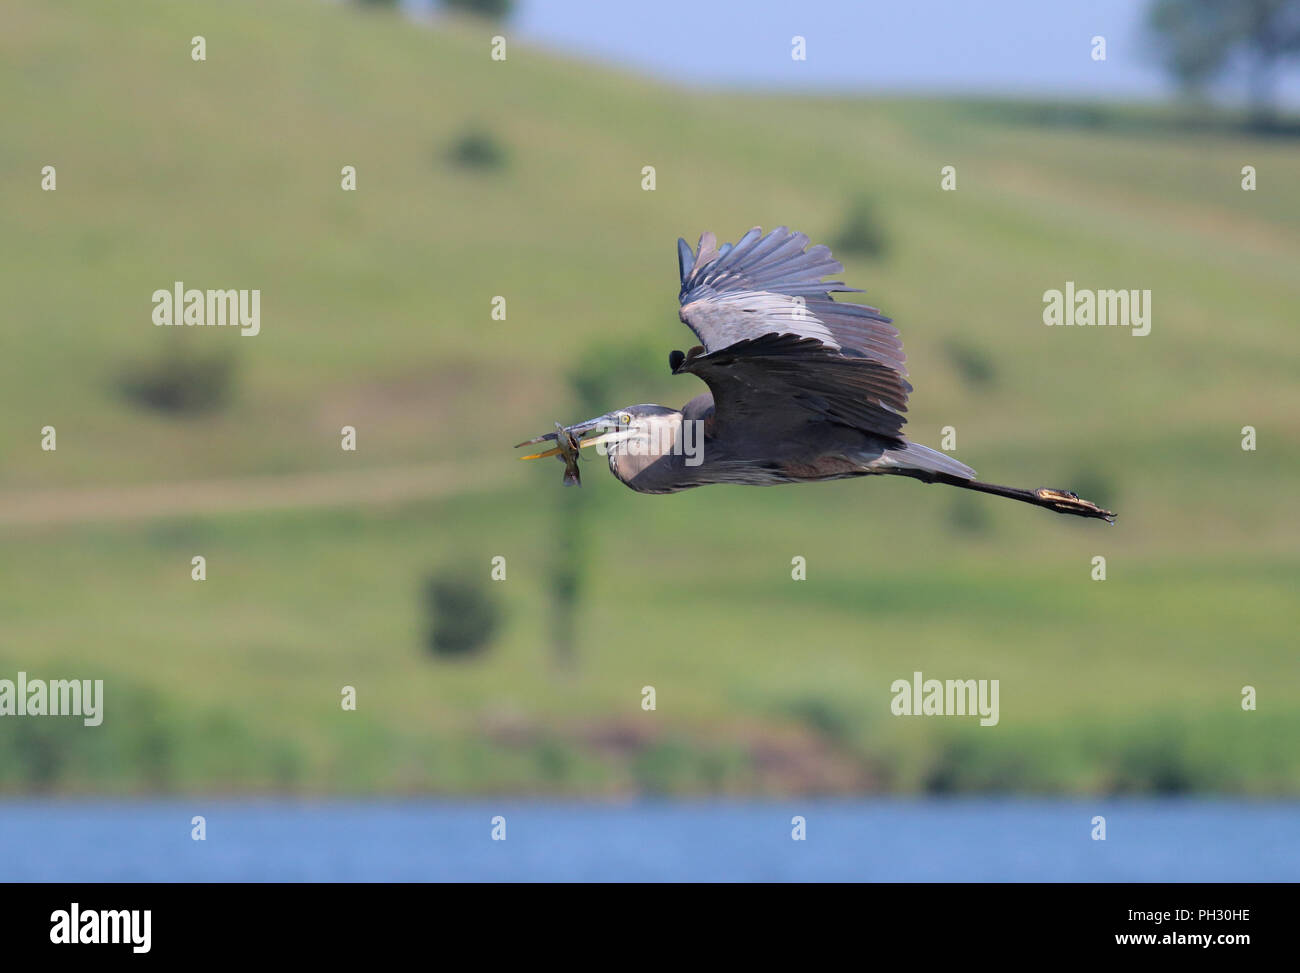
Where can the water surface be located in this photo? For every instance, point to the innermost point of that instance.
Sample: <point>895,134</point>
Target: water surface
<point>878,840</point>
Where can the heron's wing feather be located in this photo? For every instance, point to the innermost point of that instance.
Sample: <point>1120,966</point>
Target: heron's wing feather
<point>773,285</point>
<point>775,337</point>
<point>775,381</point>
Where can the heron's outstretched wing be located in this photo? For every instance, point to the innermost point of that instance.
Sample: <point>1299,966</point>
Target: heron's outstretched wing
<point>776,381</point>
<point>774,338</point>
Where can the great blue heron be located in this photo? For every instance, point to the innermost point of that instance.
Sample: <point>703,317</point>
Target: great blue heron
<point>801,387</point>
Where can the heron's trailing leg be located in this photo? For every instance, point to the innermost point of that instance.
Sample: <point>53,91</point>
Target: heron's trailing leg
<point>1062,501</point>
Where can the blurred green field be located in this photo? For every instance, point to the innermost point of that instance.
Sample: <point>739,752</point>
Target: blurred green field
<point>376,313</point>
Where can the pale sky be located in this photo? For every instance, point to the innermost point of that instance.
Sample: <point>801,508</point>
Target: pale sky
<point>1000,47</point>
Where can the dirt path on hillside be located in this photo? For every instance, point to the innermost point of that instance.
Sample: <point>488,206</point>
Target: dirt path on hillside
<point>73,505</point>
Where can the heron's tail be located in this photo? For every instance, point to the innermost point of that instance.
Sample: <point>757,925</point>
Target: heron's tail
<point>924,462</point>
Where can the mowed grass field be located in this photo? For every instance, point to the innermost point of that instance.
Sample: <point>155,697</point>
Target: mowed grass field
<point>376,313</point>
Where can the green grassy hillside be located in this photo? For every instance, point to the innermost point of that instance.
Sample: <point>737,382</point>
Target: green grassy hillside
<point>376,313</point>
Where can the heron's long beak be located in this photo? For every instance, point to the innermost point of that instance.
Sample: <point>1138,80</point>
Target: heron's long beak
<point>608,421</point>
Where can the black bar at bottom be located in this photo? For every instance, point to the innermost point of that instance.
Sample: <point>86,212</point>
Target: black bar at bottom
<point>330,922</point>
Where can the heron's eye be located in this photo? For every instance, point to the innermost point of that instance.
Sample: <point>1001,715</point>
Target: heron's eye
<point>625,418</point>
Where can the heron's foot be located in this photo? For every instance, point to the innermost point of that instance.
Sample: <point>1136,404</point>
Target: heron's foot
<point>1067,502</point>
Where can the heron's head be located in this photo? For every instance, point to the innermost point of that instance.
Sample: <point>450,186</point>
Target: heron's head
<point>634,428</point>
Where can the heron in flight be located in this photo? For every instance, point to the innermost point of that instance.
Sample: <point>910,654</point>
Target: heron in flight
<point>802,387</point>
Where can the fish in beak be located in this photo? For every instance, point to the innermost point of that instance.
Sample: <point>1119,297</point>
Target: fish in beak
<point>569,440</point>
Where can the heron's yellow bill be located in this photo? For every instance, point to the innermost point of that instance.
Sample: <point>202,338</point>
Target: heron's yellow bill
<point>555,451</point>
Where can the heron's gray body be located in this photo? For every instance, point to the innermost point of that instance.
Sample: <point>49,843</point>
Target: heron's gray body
<point>806,452</point>
<point>802,387</point>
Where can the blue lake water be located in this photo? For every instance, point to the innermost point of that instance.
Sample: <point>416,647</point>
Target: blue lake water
<point>877,840</point>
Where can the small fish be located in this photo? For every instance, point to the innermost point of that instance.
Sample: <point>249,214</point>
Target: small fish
<point>566,450</point>
<point>569,454</point>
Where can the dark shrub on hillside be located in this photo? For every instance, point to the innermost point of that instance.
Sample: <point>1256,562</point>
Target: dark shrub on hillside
<point>477,149</point>
<point>494,9</point>
<point>861,234</point>
<point>974,366</point>
<point>463,618</point>
<point>181,382</point>
<point>970,514</point>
